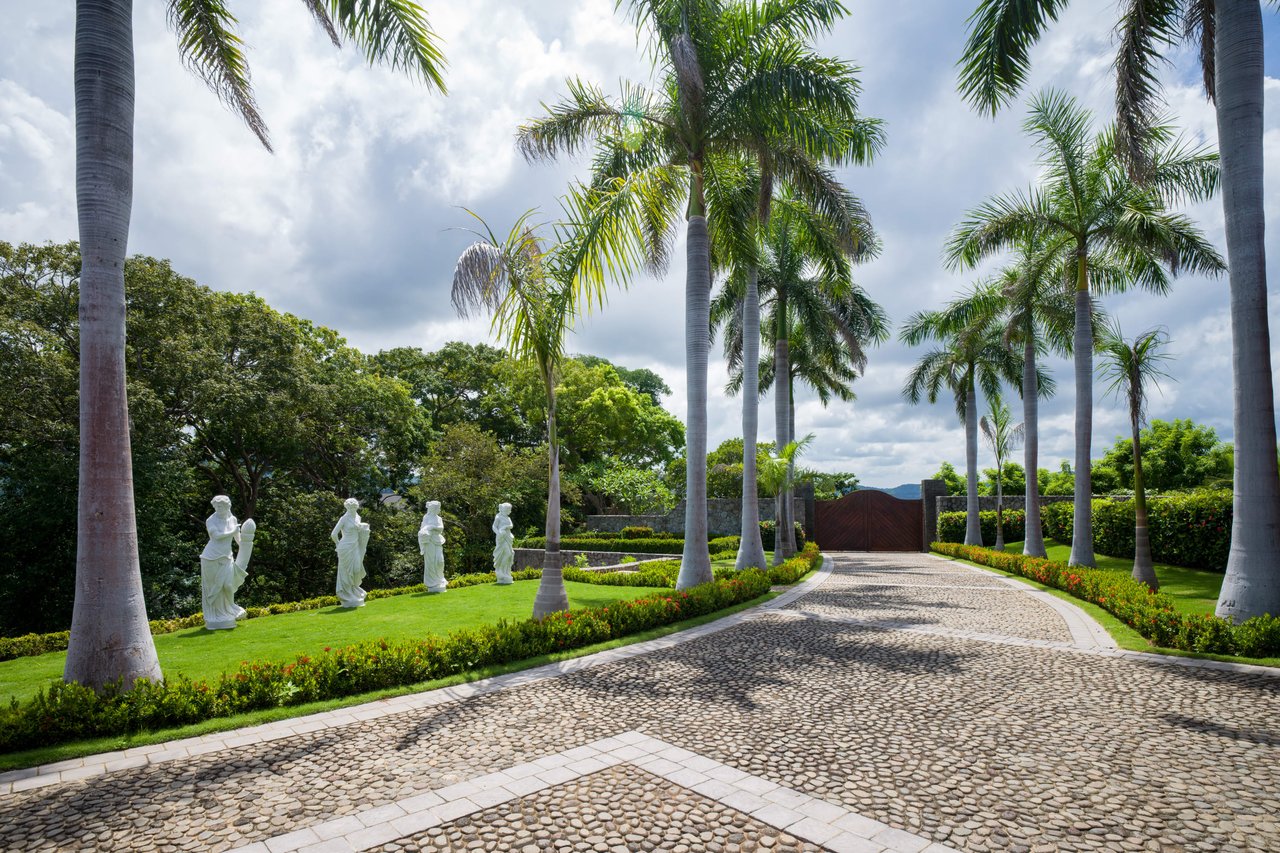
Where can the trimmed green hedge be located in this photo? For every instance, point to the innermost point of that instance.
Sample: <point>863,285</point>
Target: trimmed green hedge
<point>951,525</point>
<point>798,566</point>
<point>66,712</point>
<point>1150,614</point>
<point>1190,529</point>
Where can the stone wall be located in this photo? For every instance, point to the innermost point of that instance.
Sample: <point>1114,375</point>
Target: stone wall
<point>724,516</point>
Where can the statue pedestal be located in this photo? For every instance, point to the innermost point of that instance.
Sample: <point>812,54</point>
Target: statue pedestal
<point>219,626</point>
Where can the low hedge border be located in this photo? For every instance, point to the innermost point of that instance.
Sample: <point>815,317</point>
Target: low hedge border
<point>624,545</point>
<point>951,525</point>
<point>1150,614</point>
<point>65,712</point>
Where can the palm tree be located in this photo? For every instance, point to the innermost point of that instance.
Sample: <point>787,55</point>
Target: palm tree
<point>535,292</point>
<point>731,75</point>
<point>1002,436</point>
<point>1117,233</point>
<point>1131,366</point>
<point>806,284</point>
<point>778,473</point>
<point>110,637</point>
<point>973,353</point>
<point>1038,313</point>
<point>1228,36</point>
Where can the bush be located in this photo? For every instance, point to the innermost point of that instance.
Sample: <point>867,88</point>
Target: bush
<point>951,525</point>
<point>636,532</point>
<point>766,535</point>
<point>1186,529</point>
<point>796,567</point>
<point>66,712</point>
<point>654,545</point>
<point>1151,614</point>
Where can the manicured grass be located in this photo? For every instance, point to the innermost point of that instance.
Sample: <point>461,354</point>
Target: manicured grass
<point>45,755</point>
<point>1192,590</point>
<point>729,563</point>
<point>1124,636</point>
<point>198,653</point>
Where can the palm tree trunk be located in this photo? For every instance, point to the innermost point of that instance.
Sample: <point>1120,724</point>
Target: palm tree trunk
<point>1252,583</point>
<point>1033,543</point>
<point>782,419</point>
<point>695,563</point>
<point>751,548</point>
<point>999,505</point>
<point>1082,524</point>
<point>1143,568</point>
<point>551,595</point>
<point>110,637</point>
<point>973,523</point>
<point>790,505</point>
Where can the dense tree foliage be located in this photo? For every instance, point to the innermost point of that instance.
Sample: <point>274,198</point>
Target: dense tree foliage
<point>229,396</point>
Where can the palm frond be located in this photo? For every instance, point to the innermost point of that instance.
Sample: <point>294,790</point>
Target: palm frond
<point>997,55</point>
<point>1146,29</point>
<point>395,33</point>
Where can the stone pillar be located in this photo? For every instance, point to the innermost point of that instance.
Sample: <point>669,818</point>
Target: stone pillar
<point>930,491</point>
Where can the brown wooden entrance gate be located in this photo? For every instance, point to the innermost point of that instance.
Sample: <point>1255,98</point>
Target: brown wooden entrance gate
<point>868,521</point>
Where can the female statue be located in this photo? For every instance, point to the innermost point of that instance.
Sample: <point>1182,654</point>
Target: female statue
<point>352,537</point>
<point>221,572</point>
<point>431,544</point>
<point>504,548</point>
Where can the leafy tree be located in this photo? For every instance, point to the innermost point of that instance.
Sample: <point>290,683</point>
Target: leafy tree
<point>1228,36</point>
<point>110,638</point>
<point>1178,454</point>
<point>1014,479</point>
<point>639,379</point>
<point>827,486</point>
<point>1060,482</point>
<point>947,473</point>
<point>636,491</point>
<point>1119,234</point>
<point>1130,367</point>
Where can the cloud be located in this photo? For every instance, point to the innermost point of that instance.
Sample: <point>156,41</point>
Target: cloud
<point>353,221</point>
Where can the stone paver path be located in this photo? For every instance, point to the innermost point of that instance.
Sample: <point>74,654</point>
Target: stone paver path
<point>899,703</point>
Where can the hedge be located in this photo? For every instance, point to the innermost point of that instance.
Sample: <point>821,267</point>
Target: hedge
<point>1150,614</point>
<point>65,712</point>
<point>798,566</point>
<point>1186,529</point>
<point>656,544</point>
<point>951,525</point>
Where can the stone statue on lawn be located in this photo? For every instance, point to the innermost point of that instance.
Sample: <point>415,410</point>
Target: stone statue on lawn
<point>431,544</point>
<point>221,572</point>
<point>504,554</point>
<point>352,538</point>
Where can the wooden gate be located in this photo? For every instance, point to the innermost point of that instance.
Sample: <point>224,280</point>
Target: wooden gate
<point>869,521</point>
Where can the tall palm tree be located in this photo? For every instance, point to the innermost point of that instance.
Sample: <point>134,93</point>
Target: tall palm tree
<point>1131,366</point>
<point>1228,36</point>
<point>1119,234</point>
<point>973,353</point>
<point>534,292</point>
<point>1002,435</point>
<point>110,637</point>
<point>1038,313</point>
<point>731,74</point>
<point>805,282</point>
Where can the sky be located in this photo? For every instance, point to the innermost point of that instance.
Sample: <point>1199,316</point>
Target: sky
<point>358,217</point>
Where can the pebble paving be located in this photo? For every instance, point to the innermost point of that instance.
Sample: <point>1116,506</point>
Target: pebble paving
<point>978,745</point>
<point>614,811</point>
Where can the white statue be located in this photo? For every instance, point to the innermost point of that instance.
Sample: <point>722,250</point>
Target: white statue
<point>351,547</point>
<point>431,544</point>
<point>504,547</point>
<point>221,572</point>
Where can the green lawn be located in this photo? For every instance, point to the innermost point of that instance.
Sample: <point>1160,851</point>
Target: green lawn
<point>197,653</point>
<point>729,563</point>
<point>1192,590</point>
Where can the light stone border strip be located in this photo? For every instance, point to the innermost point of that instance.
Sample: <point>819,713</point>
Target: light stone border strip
<point>89,766</point>
<point>810,818</point>
<point>1111,650</point>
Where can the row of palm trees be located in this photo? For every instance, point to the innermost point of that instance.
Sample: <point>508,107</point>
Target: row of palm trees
<point>1087,228</point>
<point>742,103</point>
<point>1227,37</point>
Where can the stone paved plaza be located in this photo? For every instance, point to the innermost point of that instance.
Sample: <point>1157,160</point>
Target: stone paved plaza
<point>896,702</point>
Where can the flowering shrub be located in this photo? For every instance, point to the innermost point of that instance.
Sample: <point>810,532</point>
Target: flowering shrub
<point>798,566</point>
<point>65,712</point>
<point>951,525</point>
<point>1186,528</point>
<point>1150,614</point>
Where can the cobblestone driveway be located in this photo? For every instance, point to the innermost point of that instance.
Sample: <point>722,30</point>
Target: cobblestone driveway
<point>902,702</point>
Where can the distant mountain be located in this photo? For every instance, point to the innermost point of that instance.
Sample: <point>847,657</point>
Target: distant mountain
<point>907,491</point>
